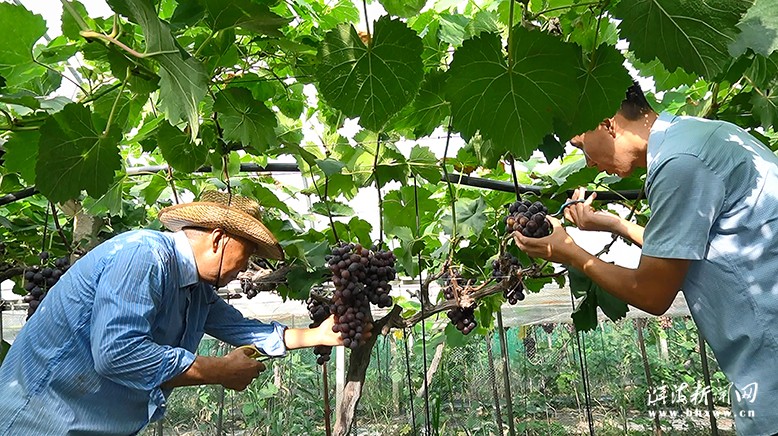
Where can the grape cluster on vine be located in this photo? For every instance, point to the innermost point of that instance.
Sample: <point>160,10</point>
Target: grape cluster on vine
<point>360,277</point>
<point>463,318</point>
<point>319,310</point>
<point>39,279</point>
<point>528,218</point>
<point>508,267</point>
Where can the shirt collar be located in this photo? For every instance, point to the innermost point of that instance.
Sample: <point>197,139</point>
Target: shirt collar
<point>187,266</point>
<point>657,135</point>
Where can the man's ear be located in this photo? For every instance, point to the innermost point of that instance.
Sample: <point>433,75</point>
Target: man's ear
<point>609,124</point>
<point>217,237</point>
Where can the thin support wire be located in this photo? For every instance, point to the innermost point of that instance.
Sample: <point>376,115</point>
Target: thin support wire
<point>410,384</point>
<point>423,301</point>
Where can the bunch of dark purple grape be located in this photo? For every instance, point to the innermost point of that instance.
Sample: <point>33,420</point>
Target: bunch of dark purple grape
<point>248,288</point>
<point>360,276</point>
<point>463,318</point>
<point>319,310</point>
<point>508,267</point>
<point>528,218</point>
<point>39,279</point>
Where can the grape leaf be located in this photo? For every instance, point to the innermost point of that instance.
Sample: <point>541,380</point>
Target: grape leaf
<point>512,108</point>
<point>73,155</point>
<point>330,166</point>
<point>688,34</point>
<point>21,29</point>
<point>428,109</point>
<point>183,81</point>
<point>245,14</point>
<point>766,107</point>
<point>178,149</point>
<point>22,98</point>
<point>245,119</point>
<point>759,30</point>
<point>663,80</point>
<point>402,207</point>
<point>585,314</point>
<point>343,11</point>
<point>603,82</point>
<point>70,27</point>
<point>471,217</point>
<point>371,82</point>
<point>763,70</point>
<point>21,153</point>
<point>403,8</point>
<point>423,163</point>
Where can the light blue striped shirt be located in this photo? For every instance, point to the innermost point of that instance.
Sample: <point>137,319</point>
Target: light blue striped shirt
<point>124,319</point>
<point>713,192</point>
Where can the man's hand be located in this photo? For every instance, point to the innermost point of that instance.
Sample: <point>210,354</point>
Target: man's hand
<point>239,370</point>
<point>583,216</point>
<point>330,338</point>
<point>556,247</point>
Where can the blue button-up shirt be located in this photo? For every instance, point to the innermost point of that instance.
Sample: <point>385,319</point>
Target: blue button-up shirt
<point>123,320</point>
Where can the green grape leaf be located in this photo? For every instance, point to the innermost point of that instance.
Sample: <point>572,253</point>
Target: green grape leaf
<point>330,166</point>
<point>336,209</point>
<point>403,8</point>
<point>759,30</point>
<point>763,70</point>
<point>22,29</point>
<point>663,80</point>
<point>512,108</point>
<point>371,82</point>
<point>423,163</point>
<point>687,34</point>
<point>343,11</point>
<point>73,155</point>
<point>21,153</point>
<point>183,82</point>
<point>585,314</point>
<point>453,28</point>
<point>603,82</point>
<point>244,119</point>
<point>22,98</point>
<point>402,205</point>
<point>766,107</point>
<point>428,109</point>
<point>245,14</point>
<point>178,149</point>
<point>471,217</point>
<point>70,27</point>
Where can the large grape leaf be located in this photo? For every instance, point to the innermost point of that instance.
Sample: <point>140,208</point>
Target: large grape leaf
<point>603,82</point>
<point>245,14</point>
<point>179,150</point>
<point>763,70</point>
<point>663,80</point>
<point>403,8</point>
<point>21,153</point>
<point>73,155</point>
<point>512,107</point>
<point>689,34</point>
<point>373,81</point>
<point>585,313</point>
<point>766,107</point>
<point>471,217</point>
<point>21,29</point>
<point>244,119</point>
<point>427,111</point>
<point>183,81</point>
<point>759,29</point>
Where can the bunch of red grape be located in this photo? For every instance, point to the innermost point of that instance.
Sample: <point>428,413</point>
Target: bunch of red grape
<point>319,310</point>
<point>360,277</point>
<point>39,279</point>
<point>463,318</point>
<point>507,267</point>
<point>528,218</point>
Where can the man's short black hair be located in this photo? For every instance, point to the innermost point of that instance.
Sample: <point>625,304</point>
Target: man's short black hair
<point>635,105</point>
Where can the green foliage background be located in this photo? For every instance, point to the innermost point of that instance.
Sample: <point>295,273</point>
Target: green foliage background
<point>229,82</point>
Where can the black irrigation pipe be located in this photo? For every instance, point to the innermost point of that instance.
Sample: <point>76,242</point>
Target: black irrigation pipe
<point>291,167</point>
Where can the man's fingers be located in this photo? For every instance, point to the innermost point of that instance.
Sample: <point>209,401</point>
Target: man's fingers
<point>591,198</point>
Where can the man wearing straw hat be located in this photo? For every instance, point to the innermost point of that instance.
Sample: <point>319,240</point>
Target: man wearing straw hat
<point>119,330</point>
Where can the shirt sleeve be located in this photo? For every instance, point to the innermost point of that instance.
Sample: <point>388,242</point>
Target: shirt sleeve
<point>686,198</point>
<point>127,298</point>
<point>226,323</point>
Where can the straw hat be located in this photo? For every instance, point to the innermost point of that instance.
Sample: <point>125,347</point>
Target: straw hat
<point>236,215</point>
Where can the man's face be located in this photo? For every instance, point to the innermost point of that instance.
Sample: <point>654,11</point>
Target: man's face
<point>237,252</point>
<point>602,150</point>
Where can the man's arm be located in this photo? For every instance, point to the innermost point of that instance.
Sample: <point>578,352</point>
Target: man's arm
<point>586,218</point>
<point>322,335</point>
<point>233,371</point>
<point>651,287</point>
